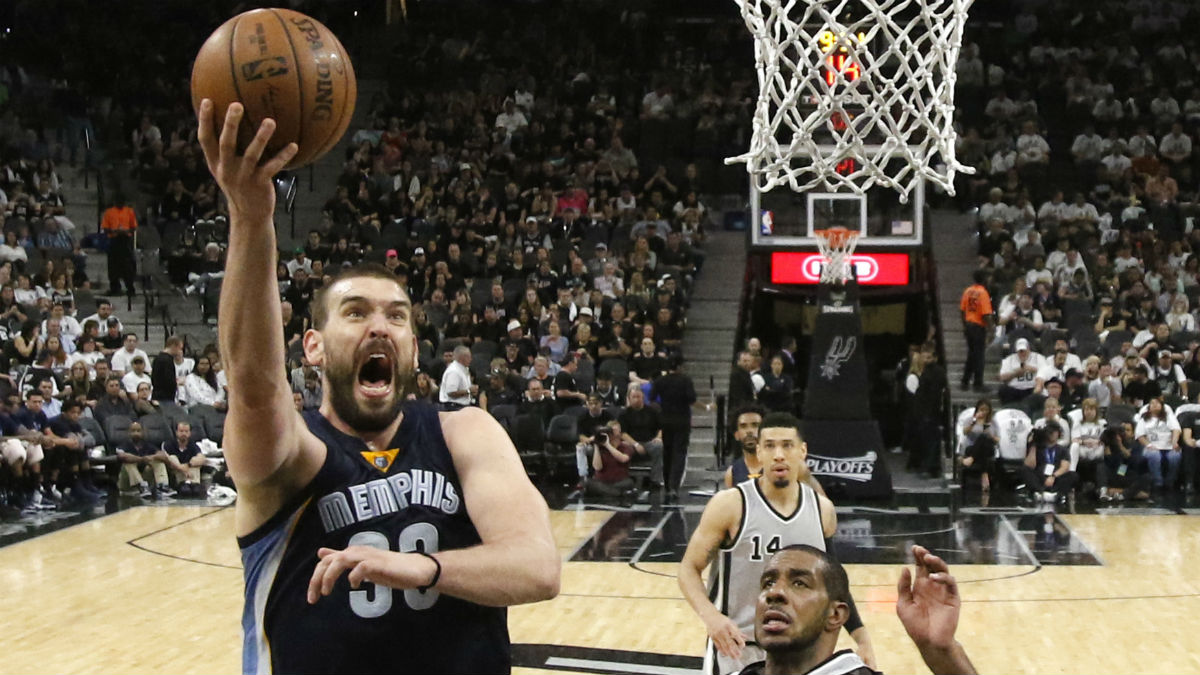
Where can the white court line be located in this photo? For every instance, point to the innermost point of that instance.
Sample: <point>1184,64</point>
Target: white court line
<point>614,667</point>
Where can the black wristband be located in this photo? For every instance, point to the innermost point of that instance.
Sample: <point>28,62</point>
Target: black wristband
<point>437,573</point>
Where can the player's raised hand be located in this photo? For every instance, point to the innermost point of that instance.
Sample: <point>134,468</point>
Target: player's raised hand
<point>929,605</point>
<point>244,178</point>
<point>725,635</point>
<point>370,564</point>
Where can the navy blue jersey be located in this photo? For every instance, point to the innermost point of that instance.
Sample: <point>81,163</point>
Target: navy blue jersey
<point>741,473</point>
<point>407,498</point>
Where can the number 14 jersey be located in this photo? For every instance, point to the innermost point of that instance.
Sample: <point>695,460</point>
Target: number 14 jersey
<point>735,573</point>
<point>406,498</point>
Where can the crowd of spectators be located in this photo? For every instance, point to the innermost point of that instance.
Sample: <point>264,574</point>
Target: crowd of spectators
<point>1086,194</point>
<point>548,222</point>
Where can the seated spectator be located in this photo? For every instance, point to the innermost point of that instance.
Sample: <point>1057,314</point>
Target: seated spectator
<point>643,431</point>
<point>136,375</point>
<point>1169,376</point>
<point>1123,473</point>
<point>1087,450</point>
<point>537,402</point>
<point>595,418</point>
<point>647,364</point>
<point>557,343</point>
<point>980,440</point>
<point>498,390</point>
<point>610,460</point>
<point>1018,372</point>
<point>1158,431</point>
<point>141,463</point>
<point>201,387</point>
<point>778,390</point>
<point>143,403</point>
<point>185,461</point>
<point>609,394</point>
<point>122,359</point>
<point>1047,468</point>
<point>426,389</point>
<point>1180,319</point>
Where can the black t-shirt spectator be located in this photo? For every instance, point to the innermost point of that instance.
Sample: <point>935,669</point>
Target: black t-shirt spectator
<point>648,367</point>
<point>641,425</point>
<point>63,427</point>
<point>293,328</point>
<point>163,385</point>
<point>676,394</point>
<point>185,454</point>
<point>588,424</point>
<point>566,382</point>
<point>1141,391</point>
<point>31,421</point>
<point>300,296</point>
<point>140,449</point>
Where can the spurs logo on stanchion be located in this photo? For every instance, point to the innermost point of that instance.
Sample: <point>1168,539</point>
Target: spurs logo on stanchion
<point>839,352</point>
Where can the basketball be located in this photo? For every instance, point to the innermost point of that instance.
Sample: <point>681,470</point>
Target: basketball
<point>284,65</point>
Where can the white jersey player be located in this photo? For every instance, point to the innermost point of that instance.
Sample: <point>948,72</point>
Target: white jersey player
<point>740,529</point>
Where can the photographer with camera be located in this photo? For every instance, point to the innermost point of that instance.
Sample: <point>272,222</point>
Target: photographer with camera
<point>594,419</point>
<point>611,463</point>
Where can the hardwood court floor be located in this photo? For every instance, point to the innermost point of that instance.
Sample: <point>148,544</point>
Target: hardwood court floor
<point>159,589</point>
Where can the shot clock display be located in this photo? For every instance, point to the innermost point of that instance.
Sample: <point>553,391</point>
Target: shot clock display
<point>838,58</point>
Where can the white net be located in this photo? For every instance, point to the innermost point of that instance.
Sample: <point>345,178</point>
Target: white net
<point>836,245</point>
<point>846,86</point>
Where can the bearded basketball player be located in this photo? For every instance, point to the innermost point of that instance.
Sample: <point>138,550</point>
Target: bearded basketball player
<point>377,535</point>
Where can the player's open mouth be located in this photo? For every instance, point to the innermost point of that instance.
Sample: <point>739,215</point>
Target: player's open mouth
<point>375,375</point>
<point>780,471</point>
<point>775,621</point>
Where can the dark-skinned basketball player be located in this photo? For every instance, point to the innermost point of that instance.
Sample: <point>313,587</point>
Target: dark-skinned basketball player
<point>803,604</point>
<point>430,514</point>
<point>740,529</point>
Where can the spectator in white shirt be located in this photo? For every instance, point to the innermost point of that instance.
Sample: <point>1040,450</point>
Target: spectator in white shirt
<point>1080,213</point>
<point>1018,372</point>
<point>103,315</point>
<point>122,359</point>
<point>994,207</point>
<point>202,386</point>
<point>1176,151</point>
<point>1142,144</point>
<point>1032,148</point>
<point>136,375</point>
<point>1087,148</point>
<point>1108,110</point>
<point>1116,164</point>
<point>455,389</point>
<point>1052,212</point>
<point>1164,108</point>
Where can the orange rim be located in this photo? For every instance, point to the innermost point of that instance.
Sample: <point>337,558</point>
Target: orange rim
<point>836,237</point>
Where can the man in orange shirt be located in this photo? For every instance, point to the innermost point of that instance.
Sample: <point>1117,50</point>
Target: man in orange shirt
<point>120,223</point>
<point>976,307</point>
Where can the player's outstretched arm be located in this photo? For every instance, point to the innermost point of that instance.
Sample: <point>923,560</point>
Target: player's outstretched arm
<point>929,607</point>
<point>721,514</point>
<point>261,430</point>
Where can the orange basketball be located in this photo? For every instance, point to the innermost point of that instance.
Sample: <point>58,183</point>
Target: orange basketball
<point>284,65</point>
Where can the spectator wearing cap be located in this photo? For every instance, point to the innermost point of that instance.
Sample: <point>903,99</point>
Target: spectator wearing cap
<point>525,348</point>
<point>299,260</point>
<point>598,260</point>
<point>1169,376</point>
<point>1018,372</point>
<point>391,260</point>
<point>498,390</point>
<point>136,375</point>
<point>418,272</point>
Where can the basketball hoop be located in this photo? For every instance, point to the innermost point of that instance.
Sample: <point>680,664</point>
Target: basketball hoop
<point>836,244</point>
<point>854,94</point>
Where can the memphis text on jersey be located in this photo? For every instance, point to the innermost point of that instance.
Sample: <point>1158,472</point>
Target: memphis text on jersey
<point>380,497</point>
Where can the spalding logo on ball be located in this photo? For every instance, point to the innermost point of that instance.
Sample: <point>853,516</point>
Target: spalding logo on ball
<point>284,65</point>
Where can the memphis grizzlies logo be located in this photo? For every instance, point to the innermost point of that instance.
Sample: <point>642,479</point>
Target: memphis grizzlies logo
<point>839,352</point>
